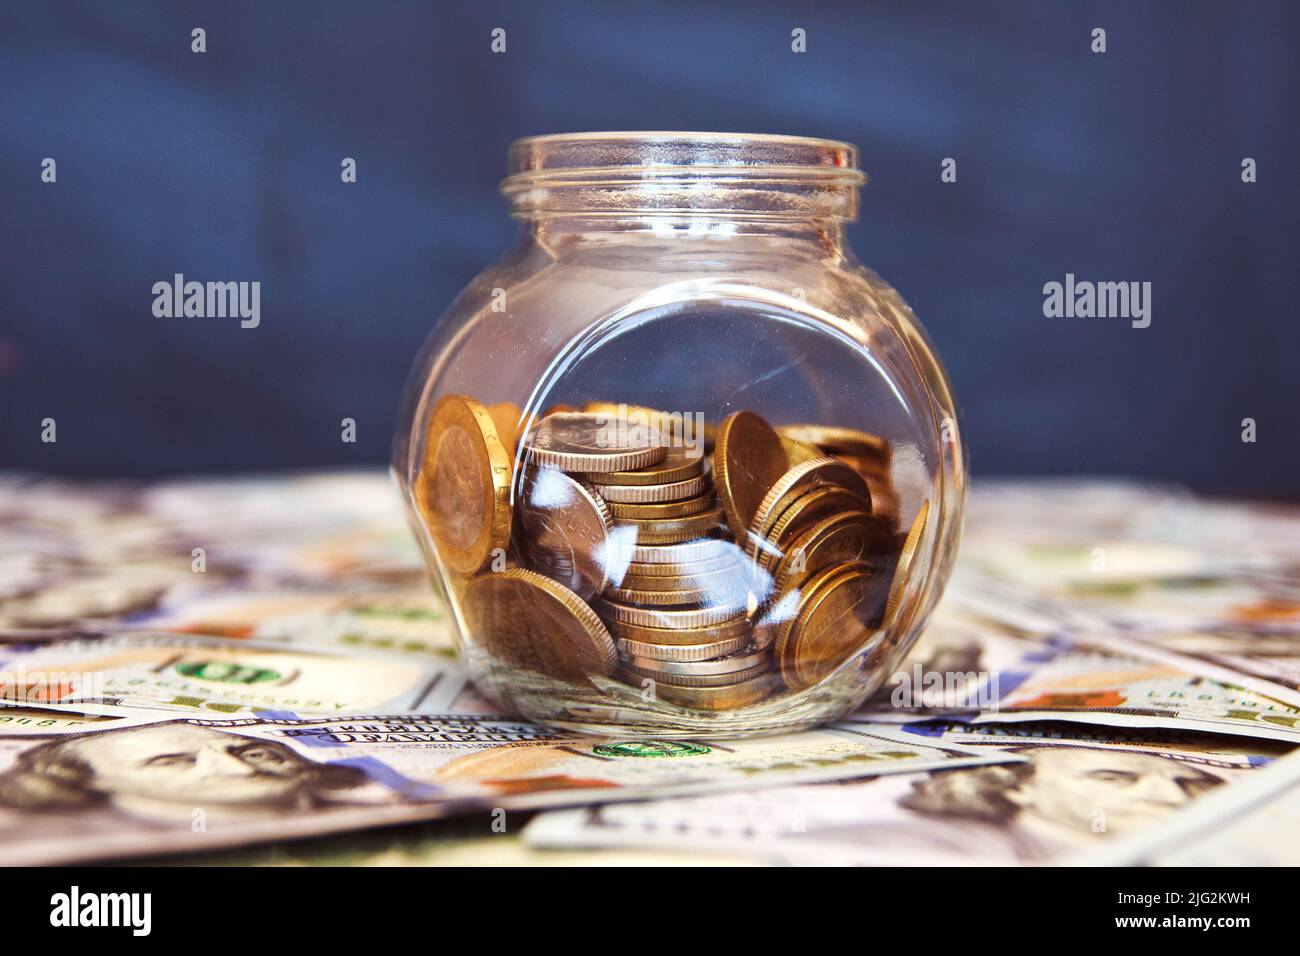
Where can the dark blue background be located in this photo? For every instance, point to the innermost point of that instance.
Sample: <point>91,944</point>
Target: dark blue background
<point>1119,166</point>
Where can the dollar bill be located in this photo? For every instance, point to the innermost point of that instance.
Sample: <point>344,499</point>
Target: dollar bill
<point>201,675</point>
<point>189,784</point>
<point>968,665</point>
<point>1067,795</point>
<point>1252,823</point>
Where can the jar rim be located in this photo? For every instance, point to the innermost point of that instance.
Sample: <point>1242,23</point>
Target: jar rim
<point>662,171</point>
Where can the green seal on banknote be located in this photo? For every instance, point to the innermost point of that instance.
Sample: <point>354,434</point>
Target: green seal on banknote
<point>650,748</point>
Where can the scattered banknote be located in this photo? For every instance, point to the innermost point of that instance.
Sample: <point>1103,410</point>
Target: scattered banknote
<point>966,665</point>
<point>204,675</point>
<point>147,787</point>
<point>1070,793</point>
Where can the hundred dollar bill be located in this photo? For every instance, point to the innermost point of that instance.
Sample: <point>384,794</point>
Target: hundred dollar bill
<point>1252,823</point>
<point>402,623</point>
<point>964,665</point>
<point>193,675</point>
<point>192,784</point>
<point>1066,795</point>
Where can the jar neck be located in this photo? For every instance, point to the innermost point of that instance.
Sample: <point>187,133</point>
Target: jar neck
<point>688,185</point>
<point>555,232</point>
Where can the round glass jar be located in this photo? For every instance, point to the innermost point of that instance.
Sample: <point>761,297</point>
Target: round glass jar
<point>679,463</point>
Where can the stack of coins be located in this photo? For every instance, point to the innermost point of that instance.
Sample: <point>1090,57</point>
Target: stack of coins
<point>586,548</point>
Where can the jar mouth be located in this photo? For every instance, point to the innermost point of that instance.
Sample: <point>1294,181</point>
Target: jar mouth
<point>748,175</point>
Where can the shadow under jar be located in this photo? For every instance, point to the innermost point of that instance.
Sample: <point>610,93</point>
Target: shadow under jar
<point>681,464</point>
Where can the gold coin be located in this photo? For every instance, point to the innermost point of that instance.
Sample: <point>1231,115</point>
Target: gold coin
<point>736,663</point>
<point>675,468</point>
<point>680,620</point>
<point>681,653</point>
<point>727,589</point>
<point>682,552</point>
<point>747,460</point>
<point>634,673</point>
<point>687,569</point>
<point>463,488</point>
<point>736,629</point>
<point>904,566</point>
<point>797,451</point>
<point>708,581</point>
<point>835,440</point>
<point>718,698</point>
<point>530,622</point>
<point>669,530</point>
<point>833,622</point>
<point>807,509</point>
<point>792,485</point>
<point>662,510</point>
<point>650,494</point>
<point>578,441</point>
<point>564,530</point>
<point>508,420</point>
<point>839,539</point>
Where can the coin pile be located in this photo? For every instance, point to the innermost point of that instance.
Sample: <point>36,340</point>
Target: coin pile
<point>629,552</point>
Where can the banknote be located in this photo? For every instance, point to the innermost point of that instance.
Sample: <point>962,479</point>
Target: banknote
<point>378,622</point>
<point>1252,823</point>
<point>194,675</point>
<point>1068,794</point>
<point>964,664</point>
<point>177,785</point>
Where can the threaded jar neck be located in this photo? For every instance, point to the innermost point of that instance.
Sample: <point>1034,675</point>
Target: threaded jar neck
<point>725,175</point>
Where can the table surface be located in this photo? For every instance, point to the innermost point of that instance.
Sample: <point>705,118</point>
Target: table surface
<point>327,558</point>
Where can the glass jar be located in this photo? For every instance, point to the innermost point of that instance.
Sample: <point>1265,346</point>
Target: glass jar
<point>680,464</point>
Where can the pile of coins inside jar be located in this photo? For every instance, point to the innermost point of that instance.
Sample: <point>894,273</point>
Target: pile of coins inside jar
<point>714,572</point>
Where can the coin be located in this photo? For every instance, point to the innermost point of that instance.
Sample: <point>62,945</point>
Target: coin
<point>583,442</point>
<point>662,510</point>
<point>508,420</point>
<point>735,629</point>
<point>798,451</point>
<point>905,557</point>
<point>835,440</point>
<point>726,589</point>
<point>634,673</point>
<point>708,581</point>
<point>645,494</point>
<point>681,652</point>
<point>718,698</point>
<point>839,539</point>
<point>564,530</point>
<point>671,530</point>
<point>463,487</point>
<point>707,566</point>
<point>675,468</point>
<point>683,552</point>
<point>730,664</point>
<point>679,620</point>
<point>811,506</point>
<point>747,460</point>
<point>529,621</point>
<point>794,483</point>
<point>833,622</point>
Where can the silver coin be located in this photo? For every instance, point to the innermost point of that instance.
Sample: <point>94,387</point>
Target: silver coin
<point>590,442</point>
<point>680,652</point>
<point>656,494</point>
<point>564,530</point>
